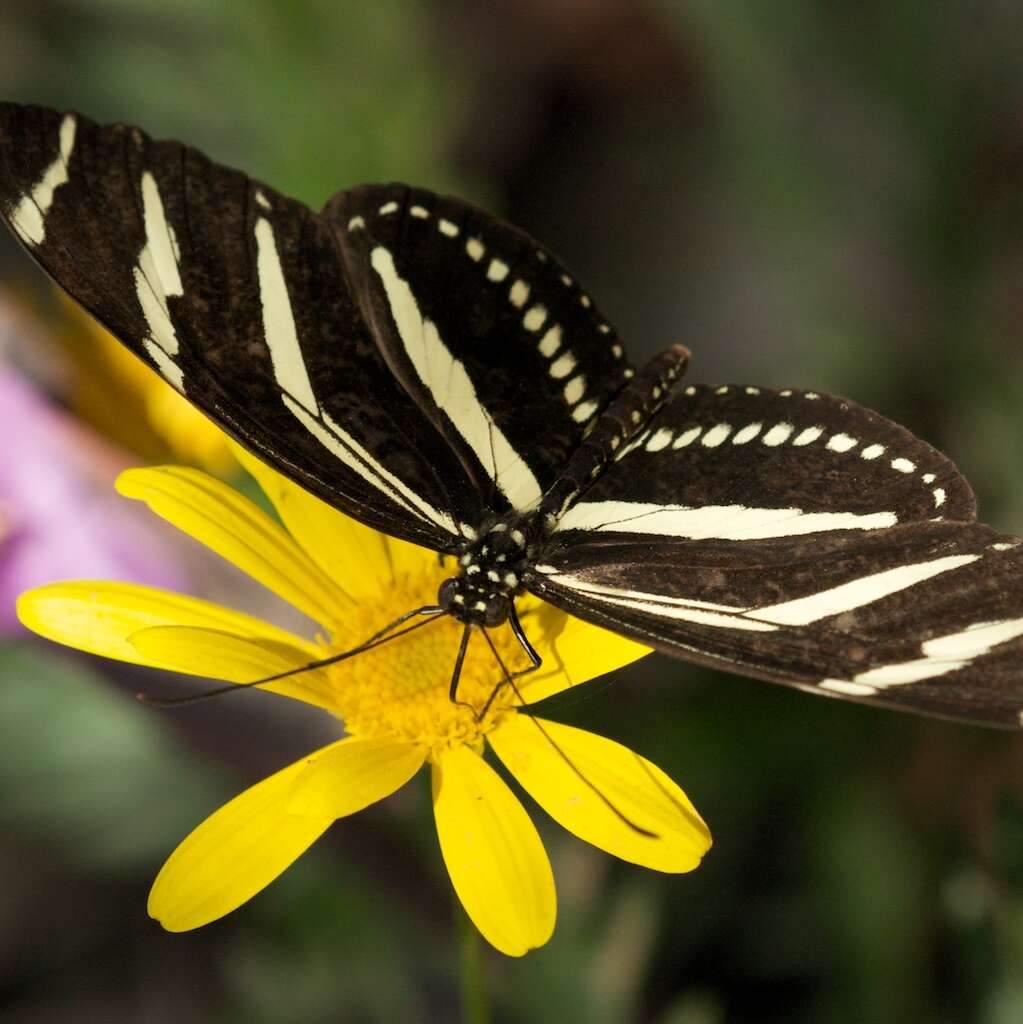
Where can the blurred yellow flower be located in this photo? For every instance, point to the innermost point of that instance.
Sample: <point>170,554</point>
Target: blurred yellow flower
<point>124,399</point>
<point>393,701</point>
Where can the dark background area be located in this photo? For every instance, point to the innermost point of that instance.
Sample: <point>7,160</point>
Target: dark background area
<point>810,195</point>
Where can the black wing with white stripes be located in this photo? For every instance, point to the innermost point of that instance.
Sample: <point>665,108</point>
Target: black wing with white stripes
<point>355,350</point>
<point>799,538</point>
<point>239,297</point>
<point>485,328</point>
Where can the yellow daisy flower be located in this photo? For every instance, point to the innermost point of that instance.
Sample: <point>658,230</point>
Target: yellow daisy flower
<point>393,701</point>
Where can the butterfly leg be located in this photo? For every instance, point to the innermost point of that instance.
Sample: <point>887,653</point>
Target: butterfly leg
<point>456,675</point>
<point>509,677</point>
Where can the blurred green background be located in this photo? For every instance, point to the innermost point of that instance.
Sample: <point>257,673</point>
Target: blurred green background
<point>806,194</point>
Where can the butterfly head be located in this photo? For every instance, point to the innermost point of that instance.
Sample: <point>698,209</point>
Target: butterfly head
<point>488,578</point>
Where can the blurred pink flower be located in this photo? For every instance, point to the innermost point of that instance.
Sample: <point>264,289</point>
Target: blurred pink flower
<point>60,517</point>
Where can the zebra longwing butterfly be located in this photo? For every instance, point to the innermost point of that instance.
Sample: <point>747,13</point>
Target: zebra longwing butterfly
<point>435,373</point>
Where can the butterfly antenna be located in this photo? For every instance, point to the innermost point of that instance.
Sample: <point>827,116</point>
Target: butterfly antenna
<point>382,636</point>
<point>509,680</point>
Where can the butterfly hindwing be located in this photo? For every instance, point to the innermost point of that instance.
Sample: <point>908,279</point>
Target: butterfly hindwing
<point>799,538</point>
<point>488,332</point>
<point>239,297</point>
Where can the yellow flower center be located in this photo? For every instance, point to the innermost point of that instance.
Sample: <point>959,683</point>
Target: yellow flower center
<point>401,689</point>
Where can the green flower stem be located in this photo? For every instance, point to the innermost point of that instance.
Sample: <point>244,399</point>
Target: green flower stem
<point>472,980</point>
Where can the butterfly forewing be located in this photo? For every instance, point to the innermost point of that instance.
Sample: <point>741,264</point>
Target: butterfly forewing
<point>490,334</point>
<point>239,297</point>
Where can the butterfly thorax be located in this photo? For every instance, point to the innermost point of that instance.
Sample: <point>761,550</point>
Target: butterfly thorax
<point>490,573</point>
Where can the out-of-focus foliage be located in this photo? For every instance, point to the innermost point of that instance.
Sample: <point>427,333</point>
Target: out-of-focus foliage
<point>820,195</point>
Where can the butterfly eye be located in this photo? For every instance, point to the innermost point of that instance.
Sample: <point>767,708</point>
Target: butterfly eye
<point>446,594</point>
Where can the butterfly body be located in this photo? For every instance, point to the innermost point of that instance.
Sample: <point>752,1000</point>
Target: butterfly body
<point>439,375</point>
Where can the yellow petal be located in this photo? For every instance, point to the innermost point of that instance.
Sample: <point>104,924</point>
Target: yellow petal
<point>99,617</point>
<point>493,853</point>
<point>639,790</point>
<point>240,532</point>
<point>234,853</point>
<point>573,651</point>
<point>362,561</point>
<point>353,774</point>
<point>218,654</point>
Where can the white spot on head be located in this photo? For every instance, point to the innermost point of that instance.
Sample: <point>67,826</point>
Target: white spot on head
<point>841,443</point>
<point>446,227</point>
<point>687,437</point>
<point>807,436</point>
<point>480,606</point>
<point>511,580</point>
<point>474,247</point>
<point>872,451</point>
<point>903,465</point>
<point>534,318</point>
<point>716,435</point>
<point>550,342</point>
<point>778,434</point>
<point>746,433</point>
<point>575,389</point>
<point>493,576</point>
<point>518,294</point>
